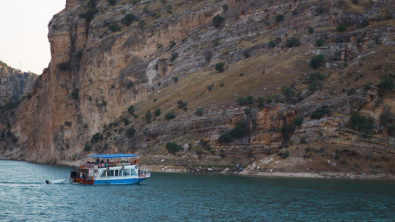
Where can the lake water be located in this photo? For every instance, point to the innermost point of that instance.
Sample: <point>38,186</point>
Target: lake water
<point>24,196</point>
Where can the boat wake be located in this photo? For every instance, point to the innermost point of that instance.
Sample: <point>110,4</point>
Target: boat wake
<point>12,182</point>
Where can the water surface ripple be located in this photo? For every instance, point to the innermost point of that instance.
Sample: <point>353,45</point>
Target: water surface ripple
<point>180,197</point>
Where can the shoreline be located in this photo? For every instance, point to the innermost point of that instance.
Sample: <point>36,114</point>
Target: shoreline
<point>247,173</point>
<point>290,174</point>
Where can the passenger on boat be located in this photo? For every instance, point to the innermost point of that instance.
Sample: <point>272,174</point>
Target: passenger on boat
<point>81,174</point>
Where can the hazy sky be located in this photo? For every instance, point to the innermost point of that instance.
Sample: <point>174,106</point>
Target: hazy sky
<point>24,28</point>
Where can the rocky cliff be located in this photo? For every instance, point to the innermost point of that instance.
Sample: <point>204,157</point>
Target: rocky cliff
<point>270,85</point>
<point>14,84</point>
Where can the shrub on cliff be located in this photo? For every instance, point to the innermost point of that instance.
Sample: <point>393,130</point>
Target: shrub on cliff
<point>157,112</point>
<point>174,56</point>
<point>341,27</point>
<point>386,84</point>
<point>218,21</point>
<point>361,123</point>
<point>130,132</point>
<point>317,61</point>
<point>75,94</point>
<point>64,66</point>
<point>248,100</point>
<point>87,147</point>
<point>114,27</point>
<point>288,93</point>
<point>170,115</point>
<point>297,121</point>
<point>96,138</point>
<point>128,19</point>
<point>148,116</point>
<point>292,42</point>
<point>286,132</point>
<point>284,154</point>
<point>182,105</point>
<point>220,67</point>
<point>199,111</point>
<point>173,147</point>
<point>320,112</point>
<point>131,109</point>
<point>112,2</point>
<point>387,120</point>
<point>279,18</point>
<point>319,42</point>
<point>241,128</point>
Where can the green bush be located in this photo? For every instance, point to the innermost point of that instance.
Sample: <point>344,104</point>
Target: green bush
<point>361,123</point>
<point>170,115</point>
<point>261,102</point>
<point>64,66</point>
<point>220,67</point>
<point>131,109</point>
<point>75,94</point>
<point>141,24</point>
<point>199,111</point>
<point>241,128</point>
<point>365,23</point>
<point>248,100</point>
<point>130,84</point>
<point>112,2</point>
<point>292,42</point>
<point>174,56</point>
<point>314,81</point>
<point>319,42</point>
<point>320,10</point>
<point>387,120</point>
<point>287,92</point>
<point>246,54</point>
<point>173,147</point>
<point>320,112</point>
<point>286,132</point>
<point>341,27</point>
<point>317,61</point>
<point>128,19</point>
<point>279,18</point>
<point>87,147</point>
<point>284,154</point>
<point>126,121</point>
<point>386,84</point>
<point>148,116</point>
<point>130,132</point>
<point>297,121</point>
<point>157,112</point>
<point>182,105</point>
<point>310,30</point>
<point>96,138</point>
<point>114,27</point>
<point>218,21</point>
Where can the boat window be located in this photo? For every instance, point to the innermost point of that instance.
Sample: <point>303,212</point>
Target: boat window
<point>110,173</point>
<point>133,171</point>
<point>104,174</point>
<point>116,173</point>
<point>126,172</point>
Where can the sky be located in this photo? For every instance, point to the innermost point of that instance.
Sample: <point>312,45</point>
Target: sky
<point>24,41</point>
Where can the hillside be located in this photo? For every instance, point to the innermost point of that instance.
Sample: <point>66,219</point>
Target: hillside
<point>275,86</point>
<point>14,84</point>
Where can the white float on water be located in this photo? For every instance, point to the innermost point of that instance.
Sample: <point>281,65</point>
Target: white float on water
<point>54,181</point>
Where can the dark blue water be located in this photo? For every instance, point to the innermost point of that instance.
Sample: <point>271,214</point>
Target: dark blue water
<point>24,196</point>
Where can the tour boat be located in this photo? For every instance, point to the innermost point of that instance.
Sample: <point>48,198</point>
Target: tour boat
<point>109,169</point>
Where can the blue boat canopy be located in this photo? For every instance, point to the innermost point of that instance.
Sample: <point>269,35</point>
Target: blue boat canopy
<point>109,156</point>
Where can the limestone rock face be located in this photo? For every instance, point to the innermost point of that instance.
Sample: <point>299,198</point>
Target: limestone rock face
<point>160,58</point>
<point>14,84</point>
